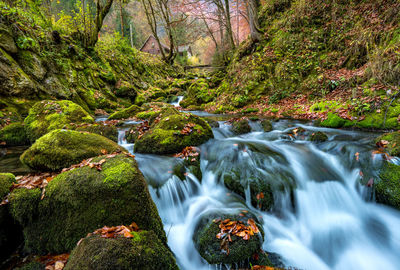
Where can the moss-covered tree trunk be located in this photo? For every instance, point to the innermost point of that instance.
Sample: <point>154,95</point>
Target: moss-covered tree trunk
<point>252,14</point>
<point>101,13</point>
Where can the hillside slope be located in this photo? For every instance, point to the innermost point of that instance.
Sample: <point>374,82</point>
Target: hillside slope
<point>320,60</point>
<point>41,61</point>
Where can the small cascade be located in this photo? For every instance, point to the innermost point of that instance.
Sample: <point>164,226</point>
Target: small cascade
<point>177,101</point>
<point>326,222</point>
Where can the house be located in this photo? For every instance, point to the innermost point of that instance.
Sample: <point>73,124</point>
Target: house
<point>151,46</point>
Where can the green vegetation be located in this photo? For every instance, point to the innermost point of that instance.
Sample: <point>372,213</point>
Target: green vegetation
<point>14,134</point>
<point>387,190</point>
<point>241,126</point>
<point>48,115</point>
<point>318,137</point>
<point>143,251</point>
<point>393,139</point>
<point>125,113</point>
<point>62,148</point>
<point>80,201</point>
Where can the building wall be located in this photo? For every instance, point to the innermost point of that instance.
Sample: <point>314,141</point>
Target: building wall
<point>151,46</point>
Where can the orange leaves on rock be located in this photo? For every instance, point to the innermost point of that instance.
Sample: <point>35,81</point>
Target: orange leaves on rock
<point>382,144</point>
<point>262,267</point>
<point>231,228</point>
<point>357,155</point>
<point>189,152</point>
<point>260,196</point>
<point>112,232</point>
<point>143,128</point>
<point>54,262</point>
<point>188,128</point>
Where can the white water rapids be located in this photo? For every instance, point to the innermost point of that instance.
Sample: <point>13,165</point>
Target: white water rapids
<point>331,222</point>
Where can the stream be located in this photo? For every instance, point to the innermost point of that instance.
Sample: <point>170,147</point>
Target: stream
<point>331,222</point>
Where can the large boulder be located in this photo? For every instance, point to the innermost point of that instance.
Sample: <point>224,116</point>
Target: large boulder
<point>108,131</point>
<point>14,134</point>
<point>212,238</point>
<point>6,40</point>
<point>48,115</point>
<point>125,113</point>
<point>10,232</point>
<point>61,148</point>
<point>143,251</point>
<point>387,190</point>
<point>172,133</point>
<point>79,201</point>
<point>199,92</point>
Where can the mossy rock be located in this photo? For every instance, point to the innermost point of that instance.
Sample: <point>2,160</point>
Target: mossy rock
<point>143,251</point>
<point>48,115</point>
<point>387,190</point>
<point>318,137</point>
<point>125,89</point>
<point>200,91</point>
<point>10,232</point>
<point>165,137</point>
<point>187,102</point>
<point>209,246</point>
<point>82,200</point>
<point>213,123</point>
<point>241,127</point>
<point>108,131</point>
<point>14,134</point>
<point>266,125</point>
<point>393,147</point>
<point>32,266</point>
<point>62,148</point>
<point>125,113</point>
<point>335,121</point>
<point>148,114</point>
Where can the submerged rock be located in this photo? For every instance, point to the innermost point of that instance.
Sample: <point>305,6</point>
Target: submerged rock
<point>318,137</point>
<point>173,132</point>
<point>387,190</point>
<point>241,127</point>
<point>143,251</point>
<point>79,201</point>
<point>14,134</point>
<point>216,251</point>
<point>61,148</point>
<point>48,115</point>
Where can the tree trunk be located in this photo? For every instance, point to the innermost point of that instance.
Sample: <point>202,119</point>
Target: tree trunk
<point>229,31</point>
<point>101,12</point>
<point>252,13</point>
<point>121,15</point>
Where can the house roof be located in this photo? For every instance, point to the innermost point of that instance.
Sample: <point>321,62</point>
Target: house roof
<point>151,36</point>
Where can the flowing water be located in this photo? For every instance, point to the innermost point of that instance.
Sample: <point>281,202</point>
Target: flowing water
<point>177,101</point>
<point>328,222</point>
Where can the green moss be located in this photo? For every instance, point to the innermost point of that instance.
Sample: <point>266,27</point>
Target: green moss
<point>266,125</point>
<point>108,131</point>
<point>209,247</point>
<point>240,127</point>
<point>147,114</point>
<point>62,148</point>
<point>125,113</point>
<point>82,200</point>
<point>143,251</point>
<point>140,99</point>
<point>6,181</point>
<point>387,190</point>
<point>165,136</point>
<point>32,266</point>
<point>48,115</point>
<point>318,137</point>
<point>14,134</point>
<point>377,121</point>
<point>334,121</point>
<point>393,147</point>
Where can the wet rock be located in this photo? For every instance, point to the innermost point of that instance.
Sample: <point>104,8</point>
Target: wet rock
<point>387,190</point>
<point>108,131</point>
<point>79,201</point>
<point>173,132</point>
<point>241,127</point>
<point>62,148</point>
<point>31,63</point>
<point>125,89</point>
<point>125,113</point>
<point>143,251</point>
<point>14,134</point>
<point>266,125</point>
<point>6,40</point>
<point>48,115</point>
<point>238,251</point>
<point>318,137</point>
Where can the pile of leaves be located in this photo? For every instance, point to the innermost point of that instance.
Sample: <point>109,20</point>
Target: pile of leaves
<point>142,128</point>
<point>188,128</point>
<point>237,228</point>
<point>115,231</point>
<point>31,181</point>
<point>55,262</point>
<point>190,153</point>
